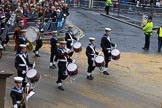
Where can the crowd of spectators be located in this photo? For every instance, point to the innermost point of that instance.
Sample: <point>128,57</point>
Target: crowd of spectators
<point>55,11</point>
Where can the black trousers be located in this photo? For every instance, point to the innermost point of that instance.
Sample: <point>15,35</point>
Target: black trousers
<point>159,43</point>
<point>19,73</point>
<point>6,40</point>
<point>61,71</point>
<point>53,53</point>
<point>107,10</point>
<point>38,44</point>
<point>147,41</point>
<point>107,57</point>
<point>90,66</point>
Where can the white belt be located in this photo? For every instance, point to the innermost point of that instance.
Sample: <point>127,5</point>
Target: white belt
<point>62,60</point>
<point>22,65</point>
<point>18,102</point>
<point>69,39</point>
<point>92,54</point>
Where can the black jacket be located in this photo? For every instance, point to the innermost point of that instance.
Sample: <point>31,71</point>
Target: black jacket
<point>106,43</point>
<point>53,42</point>
<point>89,52</point>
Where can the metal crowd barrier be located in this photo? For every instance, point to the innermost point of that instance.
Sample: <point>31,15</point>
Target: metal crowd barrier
<point>48,27</point>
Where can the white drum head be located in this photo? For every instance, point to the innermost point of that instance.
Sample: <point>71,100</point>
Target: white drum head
<point>72,67</point>
<point>99,59</point>
<point>31,34</point>
<point>115,52</point>
<point>31,73</point>
<point>77,45</point>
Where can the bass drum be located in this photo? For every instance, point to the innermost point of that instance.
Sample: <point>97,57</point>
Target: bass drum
<point>115,54</point>
<point>32,34</point>
<point>72,69</point>
<point>33,76</point>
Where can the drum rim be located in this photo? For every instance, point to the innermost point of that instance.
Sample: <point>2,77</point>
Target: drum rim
<point>99,56</point>
<point>115,54</point>
<point>78,44</point>
<point>28,74</point>
<point>72,70</point>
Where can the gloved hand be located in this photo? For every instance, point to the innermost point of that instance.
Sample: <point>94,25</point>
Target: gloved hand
<point>23,72</point>
<point>115,46</point>
<point>15,106</point>
<point>92,59</point>
<point>109,51</point>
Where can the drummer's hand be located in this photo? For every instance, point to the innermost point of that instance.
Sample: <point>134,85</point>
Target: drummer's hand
<point>115,45</point>
<point>23,72</point>
<point>92,59</point>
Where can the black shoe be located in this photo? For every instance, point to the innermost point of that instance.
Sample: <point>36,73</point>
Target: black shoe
<point>60,88</point>
<point>106,73</point>
<point>52,67</point>
<point>37,55</point>
<point>90,77</point>
<point>33,51</point>
<point>144,48</point>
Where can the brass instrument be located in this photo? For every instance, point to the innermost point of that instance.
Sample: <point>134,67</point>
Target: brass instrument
<point>29,46</point>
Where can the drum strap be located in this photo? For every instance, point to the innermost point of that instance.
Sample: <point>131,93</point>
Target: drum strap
<point>92,49</point>
<point>22,58</point>
<point>71,39</point>
<point>94,54</point>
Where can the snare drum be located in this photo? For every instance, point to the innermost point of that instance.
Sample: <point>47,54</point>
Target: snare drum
<point>115,54</point>
<point>33,76</point>
<point>77,46</point>
<point>72,69</point>
<point>32,33</point>
<point>99,61</point>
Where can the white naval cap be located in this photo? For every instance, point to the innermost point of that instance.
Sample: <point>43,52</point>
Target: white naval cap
<point>2,17</point>
<point>91,38</point>
<point>54,31</point>
<point>70,26</point>
<point>23,45</point>
<point>62,42</point>
<point>107,29</point>
<point>23,30</point>
<point>18,79</point>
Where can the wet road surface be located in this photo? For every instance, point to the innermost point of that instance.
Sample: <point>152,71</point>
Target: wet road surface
<point>103,91</point>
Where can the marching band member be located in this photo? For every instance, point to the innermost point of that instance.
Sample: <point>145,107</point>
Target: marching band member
<point>53,42</point>
<point>17,93</point>
<point>4,32</point>
<point>70,38</point>
<point>39,39</point>
<point>21,39</point>
<point>22,63</point>
<point>20,94</point>
<point>106,49</point>
<point>63,59</point>
<point>91,53</point>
